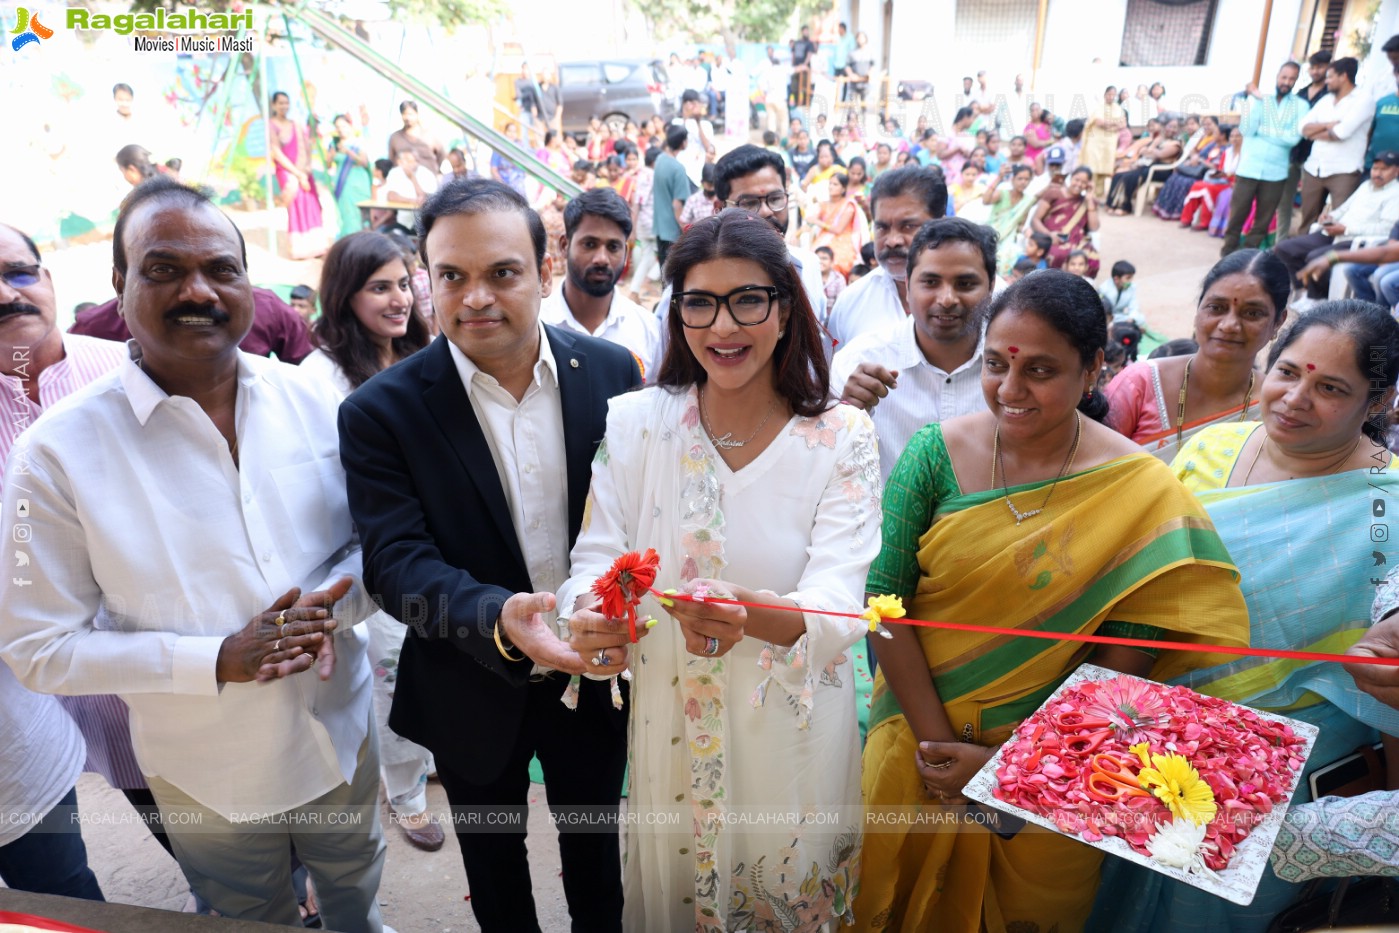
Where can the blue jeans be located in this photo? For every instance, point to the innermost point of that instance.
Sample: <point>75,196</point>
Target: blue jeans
<point>1364,277</point>
<point>51,857</point>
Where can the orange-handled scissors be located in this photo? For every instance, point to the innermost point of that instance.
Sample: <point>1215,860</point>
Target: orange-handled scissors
<point>1110,781</point>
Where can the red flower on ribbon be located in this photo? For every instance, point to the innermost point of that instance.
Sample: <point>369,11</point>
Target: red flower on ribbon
<point>626,581</point>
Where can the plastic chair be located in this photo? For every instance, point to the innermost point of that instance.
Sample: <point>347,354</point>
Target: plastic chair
<point>1156,175</point>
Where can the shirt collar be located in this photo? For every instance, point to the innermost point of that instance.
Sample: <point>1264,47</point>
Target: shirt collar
<point>145,396</point>
<point>543,366</point>
<point>911,354</point>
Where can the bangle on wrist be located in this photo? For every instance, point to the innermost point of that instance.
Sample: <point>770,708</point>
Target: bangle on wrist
<point>1332,258</point>
<point>500,645</point>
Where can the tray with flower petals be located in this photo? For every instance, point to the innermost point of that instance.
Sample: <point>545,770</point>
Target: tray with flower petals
<point>1191,786</point>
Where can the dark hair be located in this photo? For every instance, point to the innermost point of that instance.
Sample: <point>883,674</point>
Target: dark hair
<point>164,189</point>
<point>962,114</point>
<point>923,183</point>
<point>826,250</point>
<point>859,269</point>
<point>652,155</point>
<point>1073,129</point>
<point>119,86</point>
<point>690,96</point>
<point>1345,66</point>
<point>769,138</point>
<point>384,166</point>
<point>338,331</point>
<point>1076,254</point>
<point>582,165</point>
<point>303,293</point>
<point>1123,267</point>
<point>1374,336</point>
<point>1115,353</point>
<point>675,137</point>
<point>550,136</point>
<point>277,94</point>
<point>707,173</point>
<point>1181,346</point>
<point>1024,265</point>
<point>598,202</point>
<point>744,161</point>
<point>134,156</point>
<point>1128,335</point>
<point>1021,169</point>
<point>175,164</point>
<point>407,105</point>
<point>935,233</point>
<point>859,160</point>
<point>1043,240</point>
<point>479,196</point>
<point>1072,307</point>
<point>1391,44</point>
<point>798,361</point>
<point>1322,57</point>
<point>867,254</point>
<point>1262,265</point>
<point>1082,170</point>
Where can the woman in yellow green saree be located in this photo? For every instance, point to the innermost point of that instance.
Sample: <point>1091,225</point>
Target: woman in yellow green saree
<point>1031,515</point>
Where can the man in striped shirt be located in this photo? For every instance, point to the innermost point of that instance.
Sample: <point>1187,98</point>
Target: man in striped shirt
<point>927,367</point>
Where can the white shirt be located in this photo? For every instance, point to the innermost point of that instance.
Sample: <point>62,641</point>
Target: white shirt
<point>526,441</point>
<point>627,324</point>
<point>925,394</point>
<point>1370,211</point>
<point>1356,112</point>
<point>399,188</point>
<point>43,756</point>
<point>871,304</point>
<point>136,510</point>
<point>319,364</point>
<point>693,156</point>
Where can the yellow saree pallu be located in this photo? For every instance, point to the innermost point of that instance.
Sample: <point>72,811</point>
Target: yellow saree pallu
<point>1120,543</point>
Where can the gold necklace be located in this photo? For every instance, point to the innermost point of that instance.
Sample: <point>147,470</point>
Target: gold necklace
<point>1326,472</point>
<point>1063,471</point>
<point>726,442</point>
<point>1185,384</point>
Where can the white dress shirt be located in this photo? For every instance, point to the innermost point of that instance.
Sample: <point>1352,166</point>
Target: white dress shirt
<point>319,364</point>
<point>627,324</point>
<point>526,441</point>
<point>398,187</point>
<point>1370,211</point>
<point>135,508</point>
<point>871,304</point>
<point>1356,112</point>
<point>925,393</point>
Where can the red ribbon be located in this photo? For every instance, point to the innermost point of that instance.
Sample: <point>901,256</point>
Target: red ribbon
<point>1067,636</point>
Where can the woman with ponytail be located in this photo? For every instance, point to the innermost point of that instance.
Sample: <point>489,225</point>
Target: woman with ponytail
<point>1293,496</point>
<point>1035,515</point>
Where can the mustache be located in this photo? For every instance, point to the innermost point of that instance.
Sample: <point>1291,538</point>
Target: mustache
<point>202,310</point>
<point>897,254</point>
<point>17,307</point>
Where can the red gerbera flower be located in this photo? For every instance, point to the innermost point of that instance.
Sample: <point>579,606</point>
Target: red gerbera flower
<point>626,581</point>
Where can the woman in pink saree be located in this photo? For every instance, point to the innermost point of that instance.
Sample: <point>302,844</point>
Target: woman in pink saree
<point>291,153</point>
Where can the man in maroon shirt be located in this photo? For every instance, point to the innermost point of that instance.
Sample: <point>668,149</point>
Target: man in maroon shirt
<point>277,329</point>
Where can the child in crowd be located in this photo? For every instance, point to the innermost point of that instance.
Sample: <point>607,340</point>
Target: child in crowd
<point>1114,359</point>
<point>700,205</point>
<point>830,276</point>
<point>1128,336</point>
<point>857,272</point>
<point>1120,294</point>
<point>1077,264</point>
<point>1181,346</point>
<point>868,257</point>
<point>1037,250</point>
<point>770,144</point>
<point>1023,267</point>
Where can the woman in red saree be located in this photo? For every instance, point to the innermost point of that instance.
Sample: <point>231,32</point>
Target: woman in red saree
<point>1067,213</point>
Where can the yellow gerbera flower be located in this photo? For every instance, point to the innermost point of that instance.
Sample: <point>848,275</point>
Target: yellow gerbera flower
<point>881,608</point>
<point>1179,787</point>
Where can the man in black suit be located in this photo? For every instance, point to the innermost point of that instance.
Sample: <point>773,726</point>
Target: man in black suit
<point>468,466</point>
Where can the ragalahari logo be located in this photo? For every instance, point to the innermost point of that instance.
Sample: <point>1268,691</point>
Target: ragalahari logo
<point>28,29</point>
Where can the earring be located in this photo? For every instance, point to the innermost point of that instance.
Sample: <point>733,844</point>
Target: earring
<point>782,333</point>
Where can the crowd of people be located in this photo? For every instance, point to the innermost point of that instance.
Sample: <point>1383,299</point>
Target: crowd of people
<point>255,592</point>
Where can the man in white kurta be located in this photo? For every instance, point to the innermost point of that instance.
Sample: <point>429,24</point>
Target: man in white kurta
<point>189,497</point>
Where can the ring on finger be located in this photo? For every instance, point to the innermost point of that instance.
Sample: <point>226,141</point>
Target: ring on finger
<point>711,646</point>
<point>602,660</point>
<point>943,765</point>
<point>277,645</point>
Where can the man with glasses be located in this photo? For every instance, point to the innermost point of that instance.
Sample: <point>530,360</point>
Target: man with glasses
<point>754,179</point>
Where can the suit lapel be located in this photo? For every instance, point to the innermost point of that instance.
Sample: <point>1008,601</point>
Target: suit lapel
<point>446,399</point>
<point>579,417</point>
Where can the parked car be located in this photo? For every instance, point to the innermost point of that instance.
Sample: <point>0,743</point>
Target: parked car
<point>615,89</point>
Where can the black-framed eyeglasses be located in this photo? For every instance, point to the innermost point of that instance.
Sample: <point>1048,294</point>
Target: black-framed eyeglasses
<point>20,276</point>
<point>748,306</point>
<point>775,200</point>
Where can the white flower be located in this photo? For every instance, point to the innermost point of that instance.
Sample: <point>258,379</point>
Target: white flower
<point>1177,845</point>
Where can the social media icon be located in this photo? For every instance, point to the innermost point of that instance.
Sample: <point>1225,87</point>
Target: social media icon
<point>21,559</point>
<point>1377,508</point>
<point>1377,532</point>
<point>21,581</point>
<point>21,508</point>
<point>1379,558</point>
<point>21,533</point>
